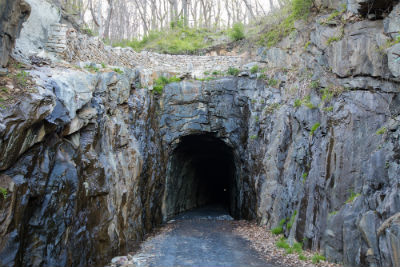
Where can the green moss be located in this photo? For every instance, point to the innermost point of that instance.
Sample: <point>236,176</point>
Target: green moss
<point>317,258</point>
<point>314,128</point>
<point>381,130</point>
<point>3,192</point>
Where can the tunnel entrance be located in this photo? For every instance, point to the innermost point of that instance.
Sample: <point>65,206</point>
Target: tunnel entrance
<point>201,171</point>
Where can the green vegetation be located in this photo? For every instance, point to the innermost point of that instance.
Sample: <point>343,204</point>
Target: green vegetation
<point>307,45</point>
<point>302,257</point>
<point>314,84</point>
<point>328,109</point>
<point>326,94</point>
<point>117,70</point>
<point>307,102</point>
<point>273,82</point>
<point>237,32</point>
<point>233,71</point>
<point>333,39</point>
<point>253,137</point>
<point>314,128</point>
<point>291,221</point>
<point>3,192</point>
<point>353,196</point>
<point>22,78</point>
<point>162,81</point>
<point>333,213</point>
<point>304,175</point>
<point>271,108</point>
<point>286,16</point>
<point>317,258</point>
<point>254,69</point>
<point>381,130</point>
<point>177,40</point>
<point>297,103</point>
<point>103,65</point>
<point>296,248</point>
<point>279,229</point>
<point>92,68</point>
<point>335,14</point>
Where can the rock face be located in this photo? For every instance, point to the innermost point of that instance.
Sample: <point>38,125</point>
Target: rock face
<point>93,161</point>
<point>12,14</point>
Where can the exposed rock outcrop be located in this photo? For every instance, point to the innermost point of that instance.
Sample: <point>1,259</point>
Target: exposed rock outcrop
<point>12,14</point>
<point>89,159</point>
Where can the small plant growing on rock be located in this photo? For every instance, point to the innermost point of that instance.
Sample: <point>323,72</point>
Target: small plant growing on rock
<point>333,213</point>
<point>118,70</point>
<point>253,137</point>
<point>314,84</point>
<point>381,131</point>
<point>3,192</point>
<point>297,103</point>
<point>304,175</point>
<point>307,102</point>
<point>103,65</point>
<point>233,71</point>
<point>273,82</point>
<point>22,78</point>
<point>328,109</point>
<point>92,68</point>
<point>271,108</point>
<point>352,197</point>
<point>254,69</point>
<point>302,257</point>
<point>314,128</point>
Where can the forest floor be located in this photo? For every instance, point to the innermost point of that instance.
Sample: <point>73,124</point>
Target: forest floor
<point>207,237</point>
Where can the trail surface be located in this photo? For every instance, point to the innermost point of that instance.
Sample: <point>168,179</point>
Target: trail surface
<point>203,237</point>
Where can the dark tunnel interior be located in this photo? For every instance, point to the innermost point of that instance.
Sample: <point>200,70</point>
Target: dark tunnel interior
<point>201,171</point>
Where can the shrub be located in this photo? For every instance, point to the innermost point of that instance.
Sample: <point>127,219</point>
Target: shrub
<point>233,71</point>
<point>314,128</point>
<point>237,32</point>
<point>254,69</point>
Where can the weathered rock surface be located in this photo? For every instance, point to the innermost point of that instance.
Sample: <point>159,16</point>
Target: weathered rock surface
<point>12,14</point>
<point>88,158</point>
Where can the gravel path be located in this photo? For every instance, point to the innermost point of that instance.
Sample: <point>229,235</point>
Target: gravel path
<point>210,237</point>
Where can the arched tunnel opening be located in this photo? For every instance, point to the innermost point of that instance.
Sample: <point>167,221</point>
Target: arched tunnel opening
<point>201,171</point>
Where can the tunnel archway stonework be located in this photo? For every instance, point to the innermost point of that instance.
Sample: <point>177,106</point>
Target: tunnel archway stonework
<point>204,133</point>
